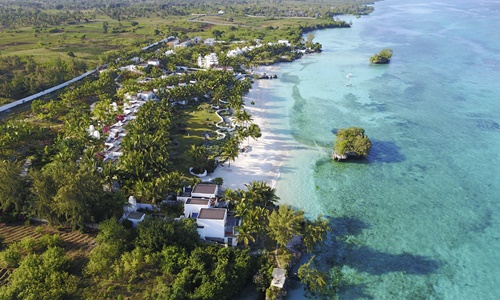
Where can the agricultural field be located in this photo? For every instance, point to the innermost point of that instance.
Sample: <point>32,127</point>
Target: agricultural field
<point>77,245</point>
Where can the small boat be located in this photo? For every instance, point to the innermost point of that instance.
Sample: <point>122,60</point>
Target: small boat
<point>348,84</point>
<point>348,75</point>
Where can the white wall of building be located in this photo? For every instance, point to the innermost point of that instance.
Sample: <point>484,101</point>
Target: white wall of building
<point>213,228</point>
<point>191,208</point>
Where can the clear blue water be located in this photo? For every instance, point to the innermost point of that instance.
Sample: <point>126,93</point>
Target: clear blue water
<point>420,218</point>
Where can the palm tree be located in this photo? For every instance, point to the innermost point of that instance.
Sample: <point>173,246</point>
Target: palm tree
<point>198,156</point>
<point>230,150</point>
<point>254,132</point>
<point>108,174</point>
<point>262,193</point>
<point>220,92</point>
<point>243,118</point>
<point>101,112</point>
<point>315,280</point>
<point>142,190</point>
<point>233,195</point>
<point>256,220</point>
<point>235,101</point>
<point>175,181</point>
<point>284,224</point>
<point>314,232</point>
<point>245,235</point>
<point>240,134</point>
<point>13,187</point>
<point>243,207</point>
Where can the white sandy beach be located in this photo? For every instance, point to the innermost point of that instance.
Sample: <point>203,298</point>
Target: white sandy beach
<point>263,160</point>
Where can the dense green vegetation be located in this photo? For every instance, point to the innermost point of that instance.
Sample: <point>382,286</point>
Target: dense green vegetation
<point>60,39</point>
<point>22,76</point>
<point>58,12</point>
<point>152,262</point>
<point>383,57</point>
<point>63,170</point>
<point>41,270</point>
<point>66,181</point>
<point>351,141</point>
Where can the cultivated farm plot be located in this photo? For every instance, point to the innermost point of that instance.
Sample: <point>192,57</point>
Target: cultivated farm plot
<point>77,245</point>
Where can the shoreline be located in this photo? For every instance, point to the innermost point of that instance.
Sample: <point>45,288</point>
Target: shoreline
<point>265,156</point>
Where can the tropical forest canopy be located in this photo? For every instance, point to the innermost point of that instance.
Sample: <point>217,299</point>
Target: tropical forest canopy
<point>57,12</point>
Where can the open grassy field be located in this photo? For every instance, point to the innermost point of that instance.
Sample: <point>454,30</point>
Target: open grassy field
<point>87,40</point>
<point>195,122</point>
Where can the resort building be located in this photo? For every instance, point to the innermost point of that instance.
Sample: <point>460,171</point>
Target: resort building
<point>183,44</point>
<point>209,61</point>
<point>209,41</point>
<point>173,43</point>
<point>135,218</point>
<point>279,278</point>
<point>211,223</point>
<point>147,95</point>
<point>130,212</point>
<point>215,225</point>
<point>235,52</point>
<point>193,206</point>
<point>204,190</point>
<point>201,203</point>
<point>284,42</point>
<point>154,62</point>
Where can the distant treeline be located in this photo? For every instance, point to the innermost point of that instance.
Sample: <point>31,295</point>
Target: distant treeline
<point>57,12</point>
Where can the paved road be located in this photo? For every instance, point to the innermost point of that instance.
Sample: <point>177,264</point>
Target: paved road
<point>6,107</point>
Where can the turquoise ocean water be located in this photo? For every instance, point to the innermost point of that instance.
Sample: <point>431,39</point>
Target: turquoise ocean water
<point>420,218</point>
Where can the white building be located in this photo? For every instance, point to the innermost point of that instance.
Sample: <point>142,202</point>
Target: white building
<point>204,190</point>
<point>209,41</point>
<point>154,62</point>
<point>131,213</point>
<point>235,52</point>
<point>135,218</point>
<point>192,206</point>
<point>147,95</point>
<point>130,68</point>
<point>208,61</point>
<point>183,44</point>
<point>279,277</point>
<point>284,42</point>
<point>173,43</point>
<point>211,223</point>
